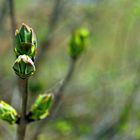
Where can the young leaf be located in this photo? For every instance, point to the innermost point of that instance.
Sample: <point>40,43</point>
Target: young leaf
<point>40,109</point>
<point>8,113</point>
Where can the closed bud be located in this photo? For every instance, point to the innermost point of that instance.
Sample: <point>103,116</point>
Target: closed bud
<point>78,42</point>
<point>8,113</point>
<point>26,42</point>
<point>40,108</point>
<point>24,66</point>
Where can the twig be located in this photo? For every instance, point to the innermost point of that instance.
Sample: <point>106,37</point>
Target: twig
<point>54,17</point>
<point>3,12</point>
<point>13,18</point>
<point>23,84</point>
<point>57,99</point>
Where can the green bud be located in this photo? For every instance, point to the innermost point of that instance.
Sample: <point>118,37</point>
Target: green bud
<point>24,66</point>
<point>8,113</point>
<point>78,42</point>
<point>40,108</point>
<point>26,42</point>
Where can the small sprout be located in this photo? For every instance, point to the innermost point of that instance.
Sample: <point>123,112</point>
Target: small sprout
<point>24,66</point>
<point>26,42</point>
<point>40,109</point>
<point>8,113</point>
<point>78,42</point>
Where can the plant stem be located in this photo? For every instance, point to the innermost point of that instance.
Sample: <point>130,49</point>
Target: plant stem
<point>60,91</point>
<point>3,13</point>
<point>53,21</point>
<point>11,5</point>
<point>23,85</point>
<point>58,95</point>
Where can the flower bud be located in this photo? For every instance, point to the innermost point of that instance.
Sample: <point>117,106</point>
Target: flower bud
<point>78,42</point>
<point>26,42</point>
<point>40,108</point>
<point>8,113</point>
<point>24,66</point>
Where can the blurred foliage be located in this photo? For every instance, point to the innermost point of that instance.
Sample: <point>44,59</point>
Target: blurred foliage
<point>63,127</point>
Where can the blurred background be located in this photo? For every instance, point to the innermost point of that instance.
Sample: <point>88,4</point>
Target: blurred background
<point>101,101</point>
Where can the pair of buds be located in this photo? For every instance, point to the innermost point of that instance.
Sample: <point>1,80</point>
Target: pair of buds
<point>39,110</point>
<point>25,51</point>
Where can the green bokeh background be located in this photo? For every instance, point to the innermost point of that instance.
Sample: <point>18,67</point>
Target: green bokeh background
<point>106,78</point>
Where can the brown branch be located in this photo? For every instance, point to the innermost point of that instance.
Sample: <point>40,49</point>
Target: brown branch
<point>54,18</point>
<point>57,99</point>
<point>23,85</point>
<point>60,91</point>
<point>3,12</point>
<point>12,18</point>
